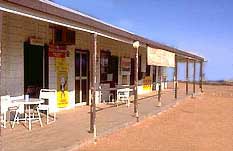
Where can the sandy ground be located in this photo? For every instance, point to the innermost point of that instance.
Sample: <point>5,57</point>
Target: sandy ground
<point>201,124</point>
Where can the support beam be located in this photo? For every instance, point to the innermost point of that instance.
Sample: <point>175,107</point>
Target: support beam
<point>1,23</point>
<point>194,77</point>
<point>136,84</point>
<point>176,77</point>
<point>94,84</point>
<point>201,76</point>
<point>187,76</point>
<point>160,84</point>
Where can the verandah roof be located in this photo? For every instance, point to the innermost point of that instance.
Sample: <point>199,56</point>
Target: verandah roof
<point>48,11</point>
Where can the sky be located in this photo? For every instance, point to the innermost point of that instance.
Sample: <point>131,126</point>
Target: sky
<point>204,27</point>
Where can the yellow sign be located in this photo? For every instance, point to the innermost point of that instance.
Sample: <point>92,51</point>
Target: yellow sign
<point>62,99</point>
<point>61,65</point>
<point>62,83</point>
<point>159,57</point>
<point>147,81</point>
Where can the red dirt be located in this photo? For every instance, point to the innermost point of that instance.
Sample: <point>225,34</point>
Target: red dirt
<point>204,123</point>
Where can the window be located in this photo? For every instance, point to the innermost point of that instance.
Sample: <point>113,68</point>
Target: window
<point>64,36</point>
<point>58,35</point>
<point>154,73</point>
<point>147,70</point>
<point>140,74</point>
<point>104,65</point>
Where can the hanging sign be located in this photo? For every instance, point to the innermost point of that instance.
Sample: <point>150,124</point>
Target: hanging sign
<point>159,57</point>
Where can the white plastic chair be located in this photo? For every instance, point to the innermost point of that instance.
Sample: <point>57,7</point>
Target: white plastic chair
<point>5,101</point>
<point>50,96</point>
<point>19,109</point>
<point>123,95</point>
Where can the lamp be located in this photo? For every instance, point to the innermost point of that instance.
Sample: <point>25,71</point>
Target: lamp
<point>136,44</point>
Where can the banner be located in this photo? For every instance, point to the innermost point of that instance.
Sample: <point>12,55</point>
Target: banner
<point>62,85</point>
<point>159,57</point>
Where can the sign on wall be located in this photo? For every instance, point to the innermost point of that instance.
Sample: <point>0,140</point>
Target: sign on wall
<point>36,41</point>
<point>57,51</point>
<point>125,66</point>
<point>159,57</point>
<point>62,83</point>
<point>147,83</point>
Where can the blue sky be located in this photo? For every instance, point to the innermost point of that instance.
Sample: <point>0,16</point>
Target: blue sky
<point>204,27</point>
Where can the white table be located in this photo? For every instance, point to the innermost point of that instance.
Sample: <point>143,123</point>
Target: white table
<point>27,104</point>
<point>123,95</point>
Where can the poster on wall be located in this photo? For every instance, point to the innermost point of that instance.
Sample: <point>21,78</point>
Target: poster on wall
<point>125,66</point>
<point>62,83</point>
<point>147,82</point>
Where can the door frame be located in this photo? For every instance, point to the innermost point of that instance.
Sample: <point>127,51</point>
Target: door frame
<point>86,51</point>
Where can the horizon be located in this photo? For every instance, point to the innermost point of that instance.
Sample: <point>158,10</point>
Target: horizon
<point>202,27</point>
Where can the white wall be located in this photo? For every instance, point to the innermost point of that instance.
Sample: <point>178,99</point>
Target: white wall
<point>16,30</point>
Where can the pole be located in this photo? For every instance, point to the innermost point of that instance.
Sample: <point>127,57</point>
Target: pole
<point>194,76</point>
<point>160,82</point>
<point>93,103</point>
<point>201,75</point>
<point>176,78</point>
<point>187,76</point>
<point>136,86</point>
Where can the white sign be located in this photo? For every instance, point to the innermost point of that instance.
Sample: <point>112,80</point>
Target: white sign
<point>159,57</point>
<point>36,41</point>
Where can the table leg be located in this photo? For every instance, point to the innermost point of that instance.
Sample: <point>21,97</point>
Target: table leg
<point>29,118</point>
<point>128,103</point>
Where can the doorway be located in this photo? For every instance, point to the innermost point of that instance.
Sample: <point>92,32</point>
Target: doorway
<point>154,77</point>
<point>81,77</point>
<point>35,69</point>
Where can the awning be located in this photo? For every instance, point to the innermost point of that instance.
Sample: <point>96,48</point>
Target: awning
<point>159,57</point>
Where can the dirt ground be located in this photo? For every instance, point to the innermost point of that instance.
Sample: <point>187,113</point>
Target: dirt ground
<point>204,123</point>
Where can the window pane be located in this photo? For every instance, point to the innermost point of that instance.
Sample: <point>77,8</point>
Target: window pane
<point>77,64</point>
<point>84,65</point>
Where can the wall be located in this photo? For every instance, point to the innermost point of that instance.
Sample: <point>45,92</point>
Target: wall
<point>15,31</point>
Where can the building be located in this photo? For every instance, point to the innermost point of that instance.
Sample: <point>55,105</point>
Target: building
<point>45,45</point>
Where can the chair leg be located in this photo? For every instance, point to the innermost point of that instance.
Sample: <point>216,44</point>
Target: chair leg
<point>54,117</point>
<point>15,118</point>
<point>47,116</point>
<point>4,120</point>
<point>39,117</point>
<point>25,117</point>
<point>128,103</point>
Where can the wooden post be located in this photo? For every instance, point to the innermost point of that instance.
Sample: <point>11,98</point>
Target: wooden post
<point>160,83</point>
<point>93,103</point>
<point>201,75</point>
<point>1,88</point>
<point>194,76</point>
<point>187,76</point>
<point>176,77</point>
<point>136,86</point>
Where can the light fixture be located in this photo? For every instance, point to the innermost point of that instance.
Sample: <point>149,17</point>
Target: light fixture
<point>136,44</point>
